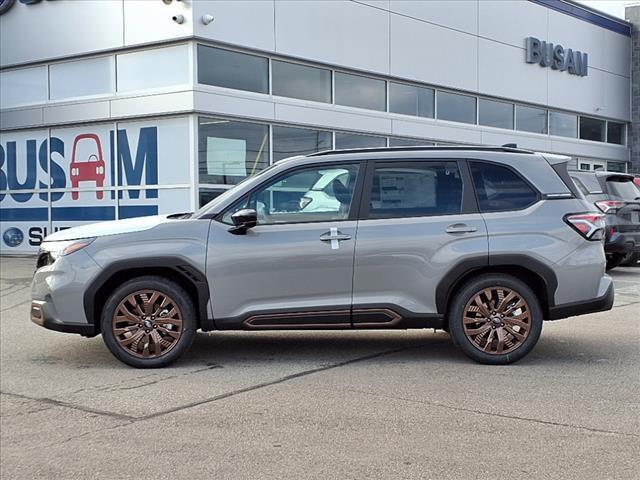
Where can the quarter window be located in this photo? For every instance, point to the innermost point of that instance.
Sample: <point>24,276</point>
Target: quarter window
<point>322,193</point>
<point>415,190</point>
<point>499,189</point>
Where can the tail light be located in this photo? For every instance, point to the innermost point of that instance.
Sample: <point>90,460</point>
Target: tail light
<point>610,206</point>
<point>589,225</point>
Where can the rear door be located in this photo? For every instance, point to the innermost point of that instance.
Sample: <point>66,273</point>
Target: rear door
<point>417,221</point>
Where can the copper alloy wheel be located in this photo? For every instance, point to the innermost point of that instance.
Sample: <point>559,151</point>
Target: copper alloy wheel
<point>147,324</point>
<point>497,320</point>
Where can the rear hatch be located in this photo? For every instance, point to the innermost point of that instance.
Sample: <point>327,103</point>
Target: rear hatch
<point>621,189</point>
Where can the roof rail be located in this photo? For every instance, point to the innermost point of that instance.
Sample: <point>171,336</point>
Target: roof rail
<point>509,147</point>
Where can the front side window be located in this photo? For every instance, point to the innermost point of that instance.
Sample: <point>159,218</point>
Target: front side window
<point>415,190</point>
<point>321,193</point>
<point>500,189</point>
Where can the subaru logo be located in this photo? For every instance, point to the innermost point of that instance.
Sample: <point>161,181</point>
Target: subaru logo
<point>13,237</point>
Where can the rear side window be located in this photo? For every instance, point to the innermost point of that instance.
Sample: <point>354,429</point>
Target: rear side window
<point>500,189</point>
<point>415,189</point>
<point>622,187</point>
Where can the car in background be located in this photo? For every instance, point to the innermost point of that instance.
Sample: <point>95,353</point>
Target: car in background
<point>616,195</point>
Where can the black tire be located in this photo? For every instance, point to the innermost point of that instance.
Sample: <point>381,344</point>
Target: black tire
<point>630,259</point>
<point>180,302</point>
<point>494,282</point>
<point>614,260</point>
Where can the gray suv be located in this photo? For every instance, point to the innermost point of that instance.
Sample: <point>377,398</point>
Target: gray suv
<point>483,242</point>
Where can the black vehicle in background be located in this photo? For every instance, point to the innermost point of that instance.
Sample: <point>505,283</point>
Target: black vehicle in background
<point>616,195</point>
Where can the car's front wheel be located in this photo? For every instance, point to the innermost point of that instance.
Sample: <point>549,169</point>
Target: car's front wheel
<point>148,322</point>
<point>495,319</point>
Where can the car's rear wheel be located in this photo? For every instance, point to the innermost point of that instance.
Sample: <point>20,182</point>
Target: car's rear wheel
<point>495,319</point>
<point>148,322</point>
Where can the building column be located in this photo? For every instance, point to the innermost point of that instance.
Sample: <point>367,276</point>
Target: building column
<point>632,14</point>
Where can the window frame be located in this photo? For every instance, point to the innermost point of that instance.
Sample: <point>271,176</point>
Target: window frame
<point>354,208</point>
<point>468,203</point>
<point>539,195</point>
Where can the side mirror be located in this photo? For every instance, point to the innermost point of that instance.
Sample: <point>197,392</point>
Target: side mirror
<point>243,220</point>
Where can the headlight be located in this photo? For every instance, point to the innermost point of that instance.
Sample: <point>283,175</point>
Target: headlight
<point>64,247</point>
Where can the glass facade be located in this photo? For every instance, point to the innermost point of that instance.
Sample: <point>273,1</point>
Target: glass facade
<point>592,129</point>
<point>411,100</point>
<point>289,141</point>
<point>530,119</point>
<point>225,68</point>
<point>563,124</point>
<point>301,81</point>
<point>495,114</point>
<point>352,140</point>
<point>456,108</point>
<point>361,92</point>
<point>616,133</point>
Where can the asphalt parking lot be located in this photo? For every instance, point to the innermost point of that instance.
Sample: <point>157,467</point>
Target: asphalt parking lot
<point>394,404</point>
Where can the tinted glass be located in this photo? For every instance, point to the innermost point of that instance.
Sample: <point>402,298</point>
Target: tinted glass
<point>616,167</point>
<point>362,92</point>
<point>615,133</point>
<point>456,108</point>
<point>350,140</point>
<point>288,142</point>
<point>529,119</point>
<point>495,114</point>
<point>410,100</point>
<point>316,194</point>
<point>205,195</point>
<point>408,142</point>
<point>416,190</point>
<point>301,81</point>
<point>563,124</point>
<point>622,188</point>
<point>592,129</point>
<point>224,68</point>
<point>229,151</point>
<point>498,188</point>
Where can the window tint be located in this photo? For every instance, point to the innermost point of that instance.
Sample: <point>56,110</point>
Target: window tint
<point>563,124</point>
<point>529,119</point>
<point>224,68</point>
<point>316,194</point>
<point>498,188</point>
<point>616,133</point>
<point>456,108</point>
<point>229,151</point>
<point>205,195</point>
<point>362,92</point>
<point>592,129</point>
<point>496,114</point>
<point>351,140</point>
<point>288,141</point>
<point>410,100</point>
<point>416,190</point>
<point>301,81</point>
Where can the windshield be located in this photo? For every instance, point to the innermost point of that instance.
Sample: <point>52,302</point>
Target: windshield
<point>211,206</point>
<point>622,188</point>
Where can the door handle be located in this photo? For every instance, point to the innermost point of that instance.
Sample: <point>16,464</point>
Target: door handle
<point>327,237</point>
<point>460,228</point>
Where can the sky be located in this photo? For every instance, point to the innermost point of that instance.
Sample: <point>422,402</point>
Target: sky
<point>612,7</point>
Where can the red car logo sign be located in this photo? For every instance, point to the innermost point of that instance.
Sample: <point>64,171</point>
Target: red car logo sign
<point>87,163</point>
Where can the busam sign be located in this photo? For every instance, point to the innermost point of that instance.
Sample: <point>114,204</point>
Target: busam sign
<point>556,57</point>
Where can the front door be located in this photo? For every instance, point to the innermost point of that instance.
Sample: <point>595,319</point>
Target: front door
<point>417,224</point>
<point>294,269</point>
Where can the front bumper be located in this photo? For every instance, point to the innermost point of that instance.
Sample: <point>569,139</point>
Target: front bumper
<point>41,315</point>
<point>598,304</point>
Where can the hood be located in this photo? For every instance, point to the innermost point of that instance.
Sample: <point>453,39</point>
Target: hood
<point>112,227</point>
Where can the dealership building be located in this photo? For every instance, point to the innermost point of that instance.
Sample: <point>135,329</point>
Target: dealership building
<point>122,108</point>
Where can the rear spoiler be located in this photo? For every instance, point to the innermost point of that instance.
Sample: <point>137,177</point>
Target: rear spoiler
<point>560,163</point>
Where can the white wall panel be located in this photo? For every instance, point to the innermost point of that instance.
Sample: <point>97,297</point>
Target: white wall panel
<point>30,33</point>
<point>459,15</point>
<point>618,53</point>
<point>503,72</point>
<point>446,131</point>
<point>512,21</point>
<point>617,96</point>
<point>76,112</point>
<point>239,22</point>
<point>149,21</point>
<point>582,94</point>
<point>578,35</point>
<point>338,32</point>
<point>433,54</point>
<point>333,118</point>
